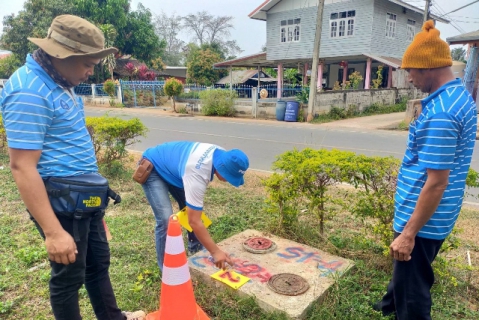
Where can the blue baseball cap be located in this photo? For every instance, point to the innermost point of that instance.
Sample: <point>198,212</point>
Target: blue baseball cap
<point>231,165</point>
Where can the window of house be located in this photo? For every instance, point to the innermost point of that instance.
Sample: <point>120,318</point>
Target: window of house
<point>290,30</point>
<point>411,29</point>
<point>341,24</point>
<point>391,25</point>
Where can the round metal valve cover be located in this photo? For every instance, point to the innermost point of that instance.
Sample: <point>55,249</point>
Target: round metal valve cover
<point>288,284</point>
<point>259,245</point>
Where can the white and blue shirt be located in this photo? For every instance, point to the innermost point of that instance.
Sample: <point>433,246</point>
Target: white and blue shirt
<point>187,165</point>
<point>38,114</point>
<point>442,137</point>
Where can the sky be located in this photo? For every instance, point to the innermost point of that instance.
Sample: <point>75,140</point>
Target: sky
<point>251,34</point>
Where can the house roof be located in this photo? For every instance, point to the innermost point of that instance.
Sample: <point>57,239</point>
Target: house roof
<point>390,61</point>
<point>179,72</point>
<point>260,12</point>
<point>256,60</point>
<point>464,38</point>
<point>175,68</point>
<point>241,76</point>
<point>259,59</point>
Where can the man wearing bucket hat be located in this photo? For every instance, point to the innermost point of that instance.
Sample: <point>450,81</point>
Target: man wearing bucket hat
<point>184,169</point>
<point>47,138</point>
<point>431,180</point>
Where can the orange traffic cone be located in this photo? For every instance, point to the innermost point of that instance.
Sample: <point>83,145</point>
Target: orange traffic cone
<point>177,300</point>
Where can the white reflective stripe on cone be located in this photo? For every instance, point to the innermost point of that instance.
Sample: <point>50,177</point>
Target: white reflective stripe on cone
<point>175,276</point>
<point>174,245</point>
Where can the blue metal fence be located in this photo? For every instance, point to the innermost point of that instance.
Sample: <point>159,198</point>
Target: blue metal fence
<point>148,93</point>
<point>84,89</point>
<point>141,93</point>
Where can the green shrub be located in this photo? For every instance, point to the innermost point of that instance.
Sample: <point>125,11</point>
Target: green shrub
<point>305,178</point>
<point>377,108</point>
<point>337,113</point>
<point>403,125</point>
<point>355,79</point>
<point>111,136</point>
<point>375,179</point>
<point>218,102</point>
<point>189,95</point>
<point>109,88</point>
<point>173,88</point>
<point>376,83</point>
<point>282,199</point>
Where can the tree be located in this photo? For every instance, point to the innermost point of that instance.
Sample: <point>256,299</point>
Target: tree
<point>209,29</point>
<point>291,76</point>
<point>157,64</point>
<point>198,23</point>
<point>110,35</point>
<point>114,12</point>
<point>139,38</point>
<point>33,21</point>
<point>458,54</point>
<point>8,66</point>
<point>200,66</point>
<point>173,88</point>
<point>136,35</point>
<point>168,28</point>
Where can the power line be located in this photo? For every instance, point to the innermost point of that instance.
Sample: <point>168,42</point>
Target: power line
<point>467,5</point>
<point>476,18</point>
<point>452,22</point>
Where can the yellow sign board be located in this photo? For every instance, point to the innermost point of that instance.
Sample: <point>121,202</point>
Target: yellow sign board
<point>183,217</point>
<point>230,278</point>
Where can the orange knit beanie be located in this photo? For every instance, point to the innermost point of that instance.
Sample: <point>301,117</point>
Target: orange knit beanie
<point>427,50</point>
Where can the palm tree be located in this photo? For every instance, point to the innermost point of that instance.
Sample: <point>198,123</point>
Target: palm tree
<point>110,35</point>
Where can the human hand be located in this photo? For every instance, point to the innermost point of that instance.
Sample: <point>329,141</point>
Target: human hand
<point>61,247</point>
<point>220,259</point>
<point>401,248</point>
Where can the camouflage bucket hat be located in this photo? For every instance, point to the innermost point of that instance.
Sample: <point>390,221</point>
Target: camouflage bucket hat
<point>70,35</point>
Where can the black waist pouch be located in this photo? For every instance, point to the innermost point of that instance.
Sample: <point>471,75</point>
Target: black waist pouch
<point>79,196</point>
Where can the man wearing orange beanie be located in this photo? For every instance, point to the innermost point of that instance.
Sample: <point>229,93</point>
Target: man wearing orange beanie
<point>432,178</point>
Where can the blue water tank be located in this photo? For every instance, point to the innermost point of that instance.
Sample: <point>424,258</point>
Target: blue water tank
<point>280,110</point>
<point>292,109</point>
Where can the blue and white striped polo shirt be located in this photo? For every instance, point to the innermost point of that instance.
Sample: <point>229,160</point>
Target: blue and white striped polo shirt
<point>38,114</point>
<point>442,137</point>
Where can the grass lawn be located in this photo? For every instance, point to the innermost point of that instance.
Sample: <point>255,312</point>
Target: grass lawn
<point>24,271</point>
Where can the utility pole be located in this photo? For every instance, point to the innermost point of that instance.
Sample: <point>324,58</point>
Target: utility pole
<point>426,10</point>
<point>313,89</point>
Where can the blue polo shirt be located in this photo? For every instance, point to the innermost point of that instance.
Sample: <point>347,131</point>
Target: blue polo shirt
<point>187,165</point>
<point>38,114</point>
<point>442,137</point>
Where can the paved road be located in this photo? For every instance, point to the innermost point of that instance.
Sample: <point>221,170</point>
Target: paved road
<point>262,141</point>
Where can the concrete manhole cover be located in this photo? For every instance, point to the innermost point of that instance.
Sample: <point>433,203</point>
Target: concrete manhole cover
<point>288,284</point>
<point>259,245</point>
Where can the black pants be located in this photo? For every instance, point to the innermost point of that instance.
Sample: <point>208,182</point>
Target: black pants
<point>90,268</point>
<point>179,195</point>
<point>409,292</point>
